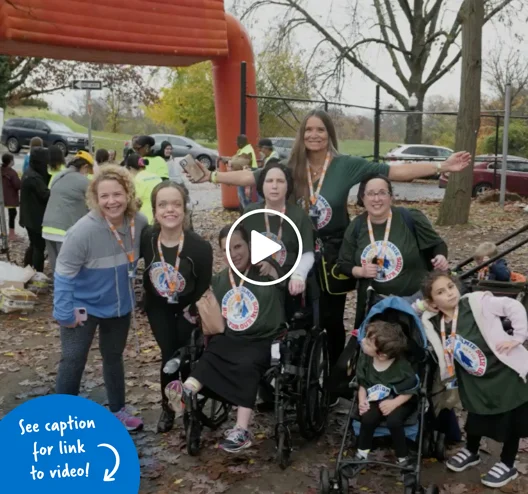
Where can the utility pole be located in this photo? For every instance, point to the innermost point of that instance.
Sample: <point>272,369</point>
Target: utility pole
<point>505,135</point>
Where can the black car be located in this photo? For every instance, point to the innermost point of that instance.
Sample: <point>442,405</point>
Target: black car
<point>17,132</point>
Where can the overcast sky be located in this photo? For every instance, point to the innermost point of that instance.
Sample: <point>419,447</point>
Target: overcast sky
<point>359,89</point>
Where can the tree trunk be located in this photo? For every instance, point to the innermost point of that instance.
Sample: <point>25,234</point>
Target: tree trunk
<point>414,128</point>
<point>457,200</point>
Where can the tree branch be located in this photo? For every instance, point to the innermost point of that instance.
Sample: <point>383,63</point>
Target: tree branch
<point>404,4</point>
<point>395,29</point>
<point>496,10</point>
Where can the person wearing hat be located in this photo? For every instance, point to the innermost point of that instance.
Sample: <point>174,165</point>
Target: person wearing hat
<point>266,149</point>
<point>67,202</point>
<point>145,182</point>
<point>143,146</point>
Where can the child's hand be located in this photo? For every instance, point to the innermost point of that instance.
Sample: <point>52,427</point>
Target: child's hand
<point>388,406</point>
<point>507,346</point>
<point>364,407</point>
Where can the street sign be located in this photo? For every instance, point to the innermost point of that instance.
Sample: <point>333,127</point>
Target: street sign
<point>87,85</point>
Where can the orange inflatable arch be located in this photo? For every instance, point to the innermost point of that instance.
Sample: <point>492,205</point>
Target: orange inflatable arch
<point>143,32</point>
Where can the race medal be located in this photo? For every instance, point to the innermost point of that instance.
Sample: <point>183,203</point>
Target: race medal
<point>380,256</point>
<point>452,384</point>
<point>172,295</point>
<point>173,298</point>
<point>131,273</point>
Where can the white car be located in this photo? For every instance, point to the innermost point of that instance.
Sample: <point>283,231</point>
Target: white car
<point>405,153</point>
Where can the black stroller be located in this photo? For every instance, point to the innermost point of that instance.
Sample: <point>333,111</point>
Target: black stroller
<point>418,426</point>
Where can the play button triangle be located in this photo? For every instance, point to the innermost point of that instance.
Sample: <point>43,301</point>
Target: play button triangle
<point>262,247</point>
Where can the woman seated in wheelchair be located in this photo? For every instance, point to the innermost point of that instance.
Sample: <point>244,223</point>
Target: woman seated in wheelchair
<point>275,185</point>
<point>234,362</point>
<point>387,386</point>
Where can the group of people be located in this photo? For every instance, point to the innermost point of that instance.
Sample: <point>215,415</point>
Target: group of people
<point>391,249</point>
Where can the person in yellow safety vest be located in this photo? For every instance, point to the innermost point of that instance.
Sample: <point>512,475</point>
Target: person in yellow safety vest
<point>144,180</point>
<point>57,162</point>
<point>265,147</point>
<point>246,149</point>
<point>157,165</point>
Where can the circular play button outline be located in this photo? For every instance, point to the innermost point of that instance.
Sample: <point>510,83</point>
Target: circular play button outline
<point>299,253</point>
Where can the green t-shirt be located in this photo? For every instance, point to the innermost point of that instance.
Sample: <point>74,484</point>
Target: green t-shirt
<point>398,379</point>
<point>260,312</point>
<point>290,245</point>
<point>486,386</point>
<point>405,267</point>
<point>343,173</point>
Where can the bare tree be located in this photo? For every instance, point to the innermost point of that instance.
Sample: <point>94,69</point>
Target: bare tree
<point>419,60</point>
<point>506,66</point>
<point>457,200</point>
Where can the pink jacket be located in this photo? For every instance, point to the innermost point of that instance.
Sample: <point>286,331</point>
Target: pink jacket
<point>487,311</point>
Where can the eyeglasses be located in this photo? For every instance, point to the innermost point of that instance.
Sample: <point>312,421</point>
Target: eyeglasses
<point>381,193</point>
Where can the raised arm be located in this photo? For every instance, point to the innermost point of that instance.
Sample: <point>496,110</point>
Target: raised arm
<point>409,171</point>
<point>243,178</point>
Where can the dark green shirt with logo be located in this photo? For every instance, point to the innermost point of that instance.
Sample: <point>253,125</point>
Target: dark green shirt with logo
<point>288,255</point>
<point>344,172</point>
<point>259,314</point>
<point>486,386</point>
<point>398,379</point>
<point>404,267</point>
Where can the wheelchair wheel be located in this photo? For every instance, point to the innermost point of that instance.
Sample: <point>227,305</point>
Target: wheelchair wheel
<point>301,404</point>
<point>324,481</point>
<point>193,431</point>
<point>317,385</point>
<point>440,448</point>
<point>344,485</point>
<point>432,489</point>
<point>284,447</point>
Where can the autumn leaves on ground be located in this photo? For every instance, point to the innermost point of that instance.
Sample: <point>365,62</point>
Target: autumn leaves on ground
<point>30,351</point>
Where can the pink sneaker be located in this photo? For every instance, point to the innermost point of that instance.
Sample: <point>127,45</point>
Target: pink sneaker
<point>132,423</point>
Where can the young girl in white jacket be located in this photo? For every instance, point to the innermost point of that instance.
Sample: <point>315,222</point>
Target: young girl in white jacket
<point>487,366</point>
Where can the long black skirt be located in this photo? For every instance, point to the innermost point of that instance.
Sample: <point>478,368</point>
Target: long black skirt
<point>232,367</point>
<point>501,426</point>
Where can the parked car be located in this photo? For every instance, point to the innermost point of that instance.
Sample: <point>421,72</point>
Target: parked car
<point>414,152</point>
<point>487,175</point>
<point>283,146</point>
<point>17,132</point>
<point>182,146</point>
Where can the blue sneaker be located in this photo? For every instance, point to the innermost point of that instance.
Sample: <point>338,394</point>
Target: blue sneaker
<point>237,440</point>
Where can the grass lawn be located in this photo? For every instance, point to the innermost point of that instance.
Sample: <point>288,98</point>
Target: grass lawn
<point>108,140</point>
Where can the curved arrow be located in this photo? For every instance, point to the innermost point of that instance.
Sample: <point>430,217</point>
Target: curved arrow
<point>109,477</point>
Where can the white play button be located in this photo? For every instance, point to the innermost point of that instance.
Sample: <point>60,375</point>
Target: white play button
<point>262,247</point>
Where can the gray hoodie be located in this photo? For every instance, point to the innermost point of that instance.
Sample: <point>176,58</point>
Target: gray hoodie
<point>67,202</point>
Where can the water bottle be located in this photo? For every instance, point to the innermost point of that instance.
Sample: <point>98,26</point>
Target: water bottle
<point>172,366</point>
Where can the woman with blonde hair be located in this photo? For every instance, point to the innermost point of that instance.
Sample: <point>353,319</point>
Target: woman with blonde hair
<point>93,286</point>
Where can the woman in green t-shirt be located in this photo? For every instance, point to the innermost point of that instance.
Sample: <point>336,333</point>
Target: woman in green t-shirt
<point>487,367</point>
<point>275,184</point>
<point>388,247</point>
<point>234,362</point>
<point>323,179</point>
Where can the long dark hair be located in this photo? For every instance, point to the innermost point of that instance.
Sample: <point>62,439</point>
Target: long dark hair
<point>299,155</point>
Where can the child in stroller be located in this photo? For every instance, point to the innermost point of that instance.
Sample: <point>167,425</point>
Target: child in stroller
<point>404,416</point>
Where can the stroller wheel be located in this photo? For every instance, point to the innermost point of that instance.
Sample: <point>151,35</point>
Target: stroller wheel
<point>344,486</point>
<point>440,448</point>
<point>432,489</point>
<point>284,449</point>
<point>324,481</point>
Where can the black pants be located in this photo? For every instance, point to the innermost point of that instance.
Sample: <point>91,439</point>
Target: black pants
<point>373,418</point>
<point>12,212</point>
<point>172,331</point>
<point>34,255</point>
<point>510,448</point>
<point>332,319</point>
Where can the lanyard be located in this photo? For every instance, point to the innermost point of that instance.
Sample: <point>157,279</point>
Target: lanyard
<point>449,352</point>
<point>170,282</point>
<point>130,255</point>
<point>314,196</point>
<point>238,296</point>
<point>383,250</point>
<point>268,229</point>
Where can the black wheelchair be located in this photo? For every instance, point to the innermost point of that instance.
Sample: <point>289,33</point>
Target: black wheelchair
<point>297,380</point>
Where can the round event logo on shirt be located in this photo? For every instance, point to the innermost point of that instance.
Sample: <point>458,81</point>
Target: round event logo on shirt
<point>323,208</point>
<point>240,315</point>
<point>470,356</point>
<point>159,282</point>
<point>60,444</point>
<point>392,265</point>
<point>279,256</point>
